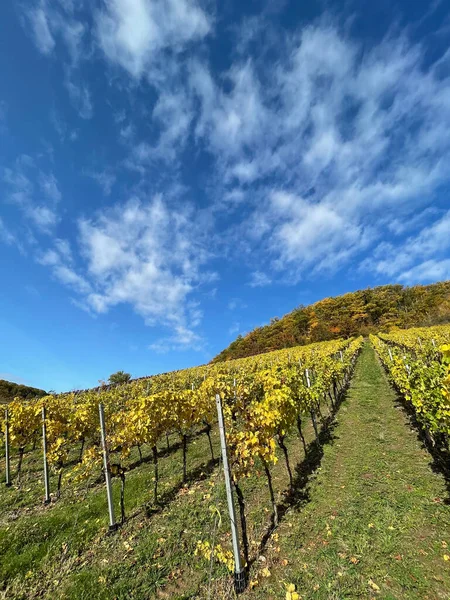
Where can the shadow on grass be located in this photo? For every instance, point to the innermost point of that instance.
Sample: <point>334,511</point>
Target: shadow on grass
<point>200,473</point>
<point>440,455</point>
<point>299,495</point>
<point>162,453</point>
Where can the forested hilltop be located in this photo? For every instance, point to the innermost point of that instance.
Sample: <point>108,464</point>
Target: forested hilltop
<point>10,390</point>
<point>357,313</point>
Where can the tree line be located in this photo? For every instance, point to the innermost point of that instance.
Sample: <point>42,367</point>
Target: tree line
<point>363,312</point>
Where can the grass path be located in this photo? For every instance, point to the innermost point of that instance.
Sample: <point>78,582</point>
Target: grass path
<point>376,523</point>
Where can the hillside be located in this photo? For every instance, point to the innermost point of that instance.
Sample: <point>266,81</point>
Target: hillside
<point>10,390</point>
<point>333,515</point>
<point>357,313</point>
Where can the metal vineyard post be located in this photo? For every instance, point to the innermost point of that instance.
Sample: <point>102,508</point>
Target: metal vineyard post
<point>112,517</point>
<point>47,498</point>
<point>239,573</point>
<point>8,465</point>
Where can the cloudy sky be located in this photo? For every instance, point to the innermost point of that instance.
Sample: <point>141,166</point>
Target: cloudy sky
<point>176,172</point>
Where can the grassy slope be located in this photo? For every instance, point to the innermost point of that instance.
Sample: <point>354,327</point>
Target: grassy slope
<point>385,509</point>
<point>373,471</point>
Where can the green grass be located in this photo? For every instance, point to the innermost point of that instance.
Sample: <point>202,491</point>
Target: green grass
<point>376,523</point>
<point>365,508</point>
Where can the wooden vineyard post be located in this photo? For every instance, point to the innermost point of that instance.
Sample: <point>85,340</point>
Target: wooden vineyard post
<point>390,354</point>
<point>239,572</point>
<point>7,458</point>
<point>47,498</point>
<point>106,467</point>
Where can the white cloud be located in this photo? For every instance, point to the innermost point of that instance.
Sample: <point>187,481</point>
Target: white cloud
<point>311,237</point>
<point>43,216</point>
<point>48,23</point>
<point>234,329</point>
<point>80,97</point>
<point>355,140</point>
<point>133,33</point>
<point>56,22</point>
<point>61,127</point>
<point>182,339</point>
<point>172,115</point>
<point>147,255</point>
<point>38,207</point>
<point>236,303</point>
<point>105,179</point>
<point>59,260</point>
<point>318,145</point>
<point>43,37</point>
<point>5,234</point>
<point>428,271</point>
<point>49,186</point>
<point>231,122</point>
<point>127,132</point>
<point>73,33</point>
<point>421,257</point>
<point>260,279</point>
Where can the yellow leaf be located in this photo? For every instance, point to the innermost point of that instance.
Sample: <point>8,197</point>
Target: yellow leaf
<point>373,585</point>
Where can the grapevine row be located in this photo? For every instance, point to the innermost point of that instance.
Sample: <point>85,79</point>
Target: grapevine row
<point>264,398</point>
<point>418,364</point>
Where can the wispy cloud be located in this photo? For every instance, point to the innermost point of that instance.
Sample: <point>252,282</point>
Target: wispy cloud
<point>5,234</point>
<point>105,179</point>
<point>236,303</point>
<point>311,148</point>
<point>134,33</point>
<point>259,279</point>
<point>144,254</point>
<point>23,181</point>
<point>50,21</point>
<point>49,186</point>
<point>336,143</point>
<point>80,96</point>
<point>60,262</point>
<point>39,21</point>
<point>234,329</point>
<point>421,257</point>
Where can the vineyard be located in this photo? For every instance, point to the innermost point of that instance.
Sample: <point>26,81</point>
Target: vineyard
<point>160,446</point>
<point>418,364</point>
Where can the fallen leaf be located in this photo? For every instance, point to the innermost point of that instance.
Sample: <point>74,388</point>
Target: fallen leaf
<point>373,585</point>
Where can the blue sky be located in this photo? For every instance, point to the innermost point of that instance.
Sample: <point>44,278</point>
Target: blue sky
<point>176,172</point>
